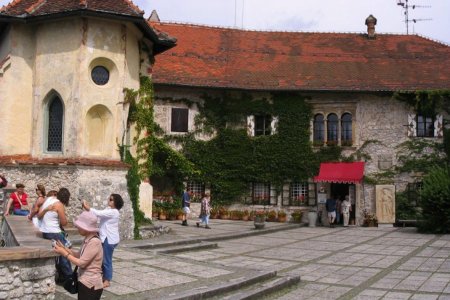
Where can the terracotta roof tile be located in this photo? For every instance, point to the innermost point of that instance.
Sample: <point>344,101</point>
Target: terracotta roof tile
<point>20,8</point>
<point>25,159</point>
<point>255,60</point>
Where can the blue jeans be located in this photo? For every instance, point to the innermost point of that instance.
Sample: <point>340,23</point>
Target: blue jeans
<point>205,219</point>
<point>107,267</point>
<point>21,212</point>
<point>63,263</point>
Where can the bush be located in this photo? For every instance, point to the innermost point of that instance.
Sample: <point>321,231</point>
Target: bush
<point>435,197</point>
<point>404,209</point>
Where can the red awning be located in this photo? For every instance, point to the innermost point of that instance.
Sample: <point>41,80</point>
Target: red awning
<point>341,172</point>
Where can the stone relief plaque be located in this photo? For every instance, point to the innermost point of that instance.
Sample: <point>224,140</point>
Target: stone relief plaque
<point>385,203</point>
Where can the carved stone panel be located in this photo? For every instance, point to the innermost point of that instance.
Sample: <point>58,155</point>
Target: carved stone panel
<point>385,204</point>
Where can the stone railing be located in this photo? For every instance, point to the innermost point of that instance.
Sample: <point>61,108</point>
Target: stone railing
<point>27,262</point>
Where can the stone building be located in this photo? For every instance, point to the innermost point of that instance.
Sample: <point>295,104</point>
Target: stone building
<point>63,68</point>
<point>349,79</point>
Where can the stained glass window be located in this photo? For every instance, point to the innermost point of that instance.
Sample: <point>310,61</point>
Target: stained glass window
<point>100,75</point>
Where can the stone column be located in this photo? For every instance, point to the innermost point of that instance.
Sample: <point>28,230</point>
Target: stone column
<point>385,204</point>
<point>146,198</point>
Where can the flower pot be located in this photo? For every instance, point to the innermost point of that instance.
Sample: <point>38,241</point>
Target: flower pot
<point>260,222</point>
<point>282,219</point>
<point>162,216</point>
<point>312,218</point>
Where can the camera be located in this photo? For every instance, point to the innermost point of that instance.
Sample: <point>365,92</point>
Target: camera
<point>53,243</point>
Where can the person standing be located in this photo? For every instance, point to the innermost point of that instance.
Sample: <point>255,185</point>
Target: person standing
<point>205,211</point>
<point>346,209</point>
<point>338,210</point>
<point>109,232</point>
<point>331,210</point>
<point>19,201</point>
<point>88,259</point>
<point>40,191</point>
<point>53,217</point>
<point>185,204</point>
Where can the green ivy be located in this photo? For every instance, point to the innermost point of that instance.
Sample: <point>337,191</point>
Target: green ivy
<point>419,155</point>
<point>231,160</point>
<point>427,102</point>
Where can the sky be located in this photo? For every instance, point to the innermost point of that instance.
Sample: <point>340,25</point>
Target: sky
<point>307,15</point>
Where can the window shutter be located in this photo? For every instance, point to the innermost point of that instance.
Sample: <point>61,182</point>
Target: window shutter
<point>412,125</point>
<point>438,126</point>
<point>274,125</point>
<point>251,125</point>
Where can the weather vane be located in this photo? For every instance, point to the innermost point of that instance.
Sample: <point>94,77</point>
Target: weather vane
<point>404,4</point>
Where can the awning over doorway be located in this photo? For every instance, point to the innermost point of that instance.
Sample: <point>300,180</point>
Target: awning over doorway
<point>341,172</point>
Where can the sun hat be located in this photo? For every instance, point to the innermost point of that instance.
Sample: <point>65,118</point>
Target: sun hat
<point>87,221</point>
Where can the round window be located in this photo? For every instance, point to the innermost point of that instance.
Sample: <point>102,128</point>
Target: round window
<point>100,75</point>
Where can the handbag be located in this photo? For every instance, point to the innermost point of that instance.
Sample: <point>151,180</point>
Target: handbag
<point>71,284</point>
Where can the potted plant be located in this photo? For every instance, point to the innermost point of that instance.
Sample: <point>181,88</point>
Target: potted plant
<point>296,216</point>
<point>282,217</point>
<point>224,213</point>
<point>259,219</point>
<point>155,212</point>
<point>214,212</point>
<point>162,214</point>
<point>179,213</point>
<point>369,219</point>
<point>271,216</point>
<point>245,215</point>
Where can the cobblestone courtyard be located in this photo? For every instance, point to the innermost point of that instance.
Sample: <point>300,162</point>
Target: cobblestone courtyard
<point>334,263</point>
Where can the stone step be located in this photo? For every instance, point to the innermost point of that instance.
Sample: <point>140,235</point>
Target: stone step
<point>222,288</point>
<point>185,248</point>
<point>257,291</point>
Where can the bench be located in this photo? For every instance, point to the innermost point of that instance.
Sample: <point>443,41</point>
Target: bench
<point>405,223</point>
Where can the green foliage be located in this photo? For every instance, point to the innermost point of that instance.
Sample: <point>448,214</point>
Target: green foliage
<point>419,155</point>
<point>427,103</point>
<point>133,182</point>
<point>141,114</point>
<point>446,144</point>
<point>404,209</point>
<point>232,160</point>
<point>435,196</point>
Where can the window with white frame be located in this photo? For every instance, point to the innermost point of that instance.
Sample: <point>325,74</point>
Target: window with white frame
<point>180,120</point>
<point>261,193</point>
<point>298,194</point>
<point>197,188</point>
<point>259,125</point>
<point>420,125</point>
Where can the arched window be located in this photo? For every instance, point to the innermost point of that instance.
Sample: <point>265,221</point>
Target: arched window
<point>99,131</point>
<point>346,129</point>
<point>55,125</point>
<point>319,128</point>
<point>332,128</point>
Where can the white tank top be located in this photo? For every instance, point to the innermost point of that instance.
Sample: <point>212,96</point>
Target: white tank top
<point>50,221</point>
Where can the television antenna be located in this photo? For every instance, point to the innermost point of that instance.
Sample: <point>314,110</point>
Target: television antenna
<point>406,7</point>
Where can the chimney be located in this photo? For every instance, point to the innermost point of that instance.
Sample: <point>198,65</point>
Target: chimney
<point>371,21</point>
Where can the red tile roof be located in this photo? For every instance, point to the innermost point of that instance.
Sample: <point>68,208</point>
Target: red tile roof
<point>45,7</point>
<point>255,60</point>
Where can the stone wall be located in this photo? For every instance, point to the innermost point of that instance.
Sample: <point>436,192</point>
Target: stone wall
<point>93,184</point>
<point>27,279</point>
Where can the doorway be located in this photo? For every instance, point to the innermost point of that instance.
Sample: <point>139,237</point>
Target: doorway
<point>339,191</point>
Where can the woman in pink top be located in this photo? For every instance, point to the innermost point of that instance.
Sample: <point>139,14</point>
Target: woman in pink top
<point>89,259</point>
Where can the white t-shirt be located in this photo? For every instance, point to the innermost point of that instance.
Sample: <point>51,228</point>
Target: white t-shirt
<point>109,224</point>
<point>346,206</point>
<point>50,221</point>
